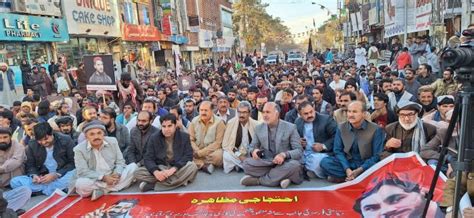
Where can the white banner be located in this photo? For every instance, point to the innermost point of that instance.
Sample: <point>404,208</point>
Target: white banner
<point>94,18</point>
<point>423,15</point>
<point>373,16</point>
<point>356,22</point>
<point>394,17</point>
<point>39,7</point>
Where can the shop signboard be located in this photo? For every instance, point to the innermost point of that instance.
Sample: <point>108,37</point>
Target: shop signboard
<point>16,27</point>
<point>142,33</point>
<point>99,72</point>
<point>423,15</point>
<point>93,18</point>
<point>39,7</point>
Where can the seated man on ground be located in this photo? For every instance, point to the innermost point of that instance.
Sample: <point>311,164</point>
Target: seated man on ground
<point>357,146</point>
<point>438,117</point>
<point>206,133</point>
<point>49,161</point>
<point>238,135</point>
<point>317,137</point>
<point>100,165</point>
<point>14,200</point>
<point>140,135</point>
<point>168,160</point>
<point>410,133</point>
<point>12,157</point>
<point>276,152</point>
<point>65,125</point>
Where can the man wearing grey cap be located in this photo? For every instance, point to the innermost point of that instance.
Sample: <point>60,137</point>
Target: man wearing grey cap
<point>100,165</point>
<point>409,133</point>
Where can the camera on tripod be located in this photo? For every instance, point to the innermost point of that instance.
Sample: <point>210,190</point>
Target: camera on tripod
<point>462,58</point>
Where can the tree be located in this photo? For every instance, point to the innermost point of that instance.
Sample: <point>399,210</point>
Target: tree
<point>254,25</point>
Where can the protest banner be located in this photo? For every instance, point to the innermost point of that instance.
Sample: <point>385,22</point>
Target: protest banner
<point>404,177</point>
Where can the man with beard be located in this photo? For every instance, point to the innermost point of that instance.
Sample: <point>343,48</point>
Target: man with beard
<point>340,115</point>
<point>129,91</point>
<point>49,162</point>
<point>258,108</point>
<point>382,115</point>
<point>12,157</point>
<point>410,133</point>
<point>446,85</point>
<point>168,160</point>
<point>425,75</point>
<point>399,94</point>
<point>320,105</point>
<point>62,110</point>
<point>238,135</point>
<point>65,125</point>
<point>114,129</point>
<point>427,100</point>
<point>189,110</point>
<point>198,96</point>
<point>308,85</point>
<point>223,110</point>
<point>234,102</point>
<point>285,102</point>
<point>140,135</point>
<point>243,88</point>
<point>293,114</point>
<point>89,113</point>
<point>386,86</point>
<point>206,132</point>
<point>357,146</point>
<point>150,106</point>
<point>99,76</point>
<point>299,89</point>
<point>411,84</point>
<point>317,131</point>
<point>262,87</point>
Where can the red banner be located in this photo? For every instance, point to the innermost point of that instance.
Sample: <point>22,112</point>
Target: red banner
<point>140,33</point>
<point>395,186</point>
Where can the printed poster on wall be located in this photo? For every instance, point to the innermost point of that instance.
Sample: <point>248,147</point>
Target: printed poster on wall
<point>423,15</point>
<point>394,17</point>
<point>99,72</point>
<point>38,7</point>
<point>395,186</point>
<point>94,18</point>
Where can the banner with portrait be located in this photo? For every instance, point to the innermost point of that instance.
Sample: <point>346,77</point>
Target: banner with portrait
<point>393,186</point>
<point>99,72</point>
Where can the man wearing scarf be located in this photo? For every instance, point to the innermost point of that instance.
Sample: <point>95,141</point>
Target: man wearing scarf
<point>129,91</point>
<point>438,117</point>
<point>410,133</point>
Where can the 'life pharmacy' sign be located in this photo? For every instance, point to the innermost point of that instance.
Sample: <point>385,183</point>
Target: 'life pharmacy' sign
<point>15,27</point>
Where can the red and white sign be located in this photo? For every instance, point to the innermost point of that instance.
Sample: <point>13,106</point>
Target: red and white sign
<point>369,195</point>
<point>423,12</point>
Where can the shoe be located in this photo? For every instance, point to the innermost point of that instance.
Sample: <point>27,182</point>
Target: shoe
<point>249,181</point>
<point>20,212</point>
<point>96,194</point>
<point>311,174</point>
<point>145,186</point>
<point>335,179</point>
<point>285,183</point>
<point>208,168</point>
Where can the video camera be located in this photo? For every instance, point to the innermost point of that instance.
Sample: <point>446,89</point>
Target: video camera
<point>462,58</point>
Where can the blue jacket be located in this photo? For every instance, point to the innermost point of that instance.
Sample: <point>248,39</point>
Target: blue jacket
<point>324,130</point>
<point>11,77</point>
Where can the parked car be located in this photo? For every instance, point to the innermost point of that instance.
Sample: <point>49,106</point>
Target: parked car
<point>295,58</point>
<point>271,59</point>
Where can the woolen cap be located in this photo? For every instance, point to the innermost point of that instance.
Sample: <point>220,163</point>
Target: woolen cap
<point>408,105</point>
<point>95,124</point>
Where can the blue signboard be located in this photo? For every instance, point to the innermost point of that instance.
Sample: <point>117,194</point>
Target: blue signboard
<point>16,27</point>
<point>179,39</point>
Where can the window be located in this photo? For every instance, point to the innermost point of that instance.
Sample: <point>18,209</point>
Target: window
<point>144,14</point>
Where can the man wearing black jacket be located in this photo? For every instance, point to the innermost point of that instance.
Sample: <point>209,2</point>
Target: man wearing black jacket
<point>49,163</point>
<point>168,160</point>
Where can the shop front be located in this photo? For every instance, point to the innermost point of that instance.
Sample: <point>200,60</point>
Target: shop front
<point>30,38</point>
<point>93,28</point>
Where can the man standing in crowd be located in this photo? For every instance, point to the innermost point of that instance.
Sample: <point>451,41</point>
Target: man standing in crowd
<point>207,132</point>
<point>238,135</point>
<point>168,159</point>
<point>357,146</point>
<point>275,152</point>
<point>49,161</point>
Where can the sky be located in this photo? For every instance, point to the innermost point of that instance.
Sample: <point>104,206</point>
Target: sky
<point>299,14</point>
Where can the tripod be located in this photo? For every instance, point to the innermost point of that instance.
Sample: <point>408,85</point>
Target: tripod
<point>465,106</point>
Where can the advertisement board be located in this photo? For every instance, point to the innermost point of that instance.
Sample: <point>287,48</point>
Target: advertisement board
<point>99,72</point>
<point>16,27</point>
<point>94,18</point>
<point>39,7</point>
